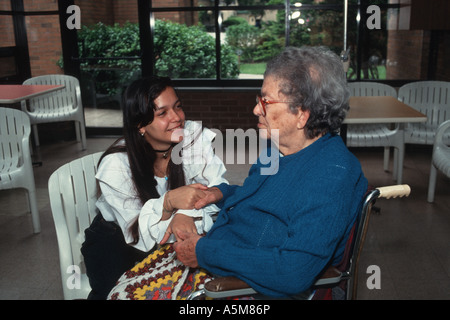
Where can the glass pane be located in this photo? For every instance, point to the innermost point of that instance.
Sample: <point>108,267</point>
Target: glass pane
<point>181,3</point>
<point>405,49</point>
<point>252,37</point>
<point>109,50</point>
<point>185,45</point>
<point>7,67</point>
<point>225,3</point>
<point>373,47</point>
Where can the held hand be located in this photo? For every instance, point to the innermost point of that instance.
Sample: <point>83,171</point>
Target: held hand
<point>180,223</point>
<point>185,249</point>
<point>184,197</point>
<point>212,195</point>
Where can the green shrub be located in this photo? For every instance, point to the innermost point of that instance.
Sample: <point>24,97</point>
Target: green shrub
<point>180,52</point>
<point>244,39</point>
<point>189,52</point>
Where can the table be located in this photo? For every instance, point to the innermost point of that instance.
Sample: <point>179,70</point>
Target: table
<point>13,93</point>
<point>381,109</point>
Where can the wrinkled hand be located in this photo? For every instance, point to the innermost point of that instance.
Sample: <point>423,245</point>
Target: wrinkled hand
<point>211,195</point>
<point>180,223</point>
<point>185,197</point>
<point>185,248</point>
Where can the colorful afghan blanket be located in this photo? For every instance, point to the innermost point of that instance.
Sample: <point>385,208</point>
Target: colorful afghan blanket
<point>160,276</point>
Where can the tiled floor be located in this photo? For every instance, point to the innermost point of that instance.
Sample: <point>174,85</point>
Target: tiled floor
<point>409,240</point>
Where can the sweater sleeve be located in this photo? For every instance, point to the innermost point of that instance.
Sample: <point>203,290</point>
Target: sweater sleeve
<point>314,229</point>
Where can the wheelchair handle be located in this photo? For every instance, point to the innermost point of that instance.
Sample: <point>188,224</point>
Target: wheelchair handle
<point>400,190</point>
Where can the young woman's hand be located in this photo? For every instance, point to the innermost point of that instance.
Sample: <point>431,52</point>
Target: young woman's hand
<point>184,197</point>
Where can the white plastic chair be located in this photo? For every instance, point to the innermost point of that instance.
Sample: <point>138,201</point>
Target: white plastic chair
<point>440,159</point>
<point>73,194</point>
<point>376,135</point>
<point>58,106</point>
<point>431,98</point>
<point>16,169</point>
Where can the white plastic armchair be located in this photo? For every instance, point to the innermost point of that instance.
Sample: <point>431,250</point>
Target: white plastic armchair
<point>16,169</point>
<point>73,194</point>
<point>376,135</point>
<point>57,106</point>
<point>440,159</point>
<point>431,98</point>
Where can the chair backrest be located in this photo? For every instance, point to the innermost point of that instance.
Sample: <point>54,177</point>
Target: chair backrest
<point>441,148</point>
<point>431,98</point>
<point>69,96</point>
<point>73,194</point>
<point>363,89</point>
<point>14,137</point>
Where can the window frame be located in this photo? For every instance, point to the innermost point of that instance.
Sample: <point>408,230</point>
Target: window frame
<point>146,12</point>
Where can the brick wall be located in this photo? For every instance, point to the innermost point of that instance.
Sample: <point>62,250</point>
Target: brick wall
<point>407,54</point>
<point>216,109</point>
<point>220,109</point>
<point>105,11</point>
<point>44,44</point>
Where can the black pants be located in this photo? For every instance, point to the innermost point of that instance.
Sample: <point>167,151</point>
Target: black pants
<point>107,256</point>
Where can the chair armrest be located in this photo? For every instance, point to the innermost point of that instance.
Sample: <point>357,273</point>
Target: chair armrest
<point>224,287</point>
<point>227,287</point>
<point>331,276</point>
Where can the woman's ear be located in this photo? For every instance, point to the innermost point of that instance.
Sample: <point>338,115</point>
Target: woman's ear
<point>141,131</point>
<point>302,118</point>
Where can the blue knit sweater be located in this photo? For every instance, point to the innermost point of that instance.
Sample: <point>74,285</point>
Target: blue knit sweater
<point>278,232</point>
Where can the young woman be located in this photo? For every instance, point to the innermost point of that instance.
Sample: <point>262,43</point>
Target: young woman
<point>149,181</point>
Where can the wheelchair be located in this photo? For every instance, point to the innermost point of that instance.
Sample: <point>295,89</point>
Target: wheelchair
<point>337,282</point>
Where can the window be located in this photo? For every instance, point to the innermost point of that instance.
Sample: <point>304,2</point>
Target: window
<point>234,39</point>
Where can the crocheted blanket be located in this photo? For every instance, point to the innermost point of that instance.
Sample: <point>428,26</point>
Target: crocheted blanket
<point>160,276</point>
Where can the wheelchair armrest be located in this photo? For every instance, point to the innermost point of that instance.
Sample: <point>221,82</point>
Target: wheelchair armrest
<point>224,287</point>
<point>331,276</point>
<point>227,287</point>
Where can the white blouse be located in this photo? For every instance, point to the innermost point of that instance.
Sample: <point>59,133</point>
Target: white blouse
<point>119,201</point>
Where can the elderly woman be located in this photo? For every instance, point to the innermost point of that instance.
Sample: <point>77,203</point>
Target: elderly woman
<point>278,232</point>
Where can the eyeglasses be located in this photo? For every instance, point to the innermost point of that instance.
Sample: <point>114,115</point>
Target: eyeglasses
<point>262,103</point>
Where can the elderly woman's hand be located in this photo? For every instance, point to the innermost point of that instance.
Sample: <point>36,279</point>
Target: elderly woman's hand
<point>180,223</point>
<point>212,195</point>
<point>185,248</point>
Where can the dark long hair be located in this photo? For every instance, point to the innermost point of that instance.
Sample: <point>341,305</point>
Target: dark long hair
<point>138,111</point>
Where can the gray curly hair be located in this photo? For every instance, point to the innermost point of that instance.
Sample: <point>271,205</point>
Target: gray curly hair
<point>313,78</point>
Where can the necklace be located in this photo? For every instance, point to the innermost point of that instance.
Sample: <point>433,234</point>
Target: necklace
<point>159,171</point>
<point>164,152</point>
